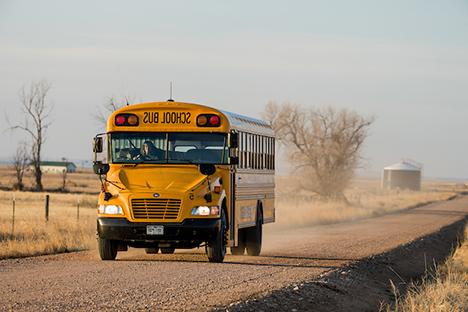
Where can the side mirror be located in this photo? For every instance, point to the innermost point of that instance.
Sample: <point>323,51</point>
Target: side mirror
<point>234,140</point>
<point>234,160</point>
<point>100,168</point>
<point>207,169</point>
<point>97,147</point>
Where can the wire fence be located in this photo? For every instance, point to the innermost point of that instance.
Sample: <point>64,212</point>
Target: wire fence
<point>46,211</point>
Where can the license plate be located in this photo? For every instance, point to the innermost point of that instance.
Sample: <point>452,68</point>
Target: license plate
<point>155,230</point>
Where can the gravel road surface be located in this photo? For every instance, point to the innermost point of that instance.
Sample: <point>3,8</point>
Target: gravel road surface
<point>186,281</point>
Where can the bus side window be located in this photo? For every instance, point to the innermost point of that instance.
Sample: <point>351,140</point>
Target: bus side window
<point>270,153</point>
<point>255,151</point>
<point>274,154</point>
<point>264,156</point>
<point>241,150</point>
<point>244,149</point>
<point>260,152</point>
<point>270,156</point>
<point>246,136</point>
<point>250,151</point>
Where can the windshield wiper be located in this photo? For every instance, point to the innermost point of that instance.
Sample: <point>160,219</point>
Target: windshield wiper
<point>114,183</point>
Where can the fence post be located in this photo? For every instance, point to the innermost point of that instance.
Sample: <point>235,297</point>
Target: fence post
<point>13,217</point>
<point>47,208</point>
<point>78,211</point>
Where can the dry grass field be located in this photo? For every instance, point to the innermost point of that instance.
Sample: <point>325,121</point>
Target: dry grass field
<point>31,235</point>
<point>294,208</point>
<point>298,208</point>
<point>446,290</point>
<point>82,181</point>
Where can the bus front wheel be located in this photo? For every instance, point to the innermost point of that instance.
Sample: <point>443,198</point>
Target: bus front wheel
<point>151,250</point>
<point>216,248</point>
<point>107,249</point>
<point>167,250</point>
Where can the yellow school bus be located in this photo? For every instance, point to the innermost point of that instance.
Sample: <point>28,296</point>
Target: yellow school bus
<point>180,175</point>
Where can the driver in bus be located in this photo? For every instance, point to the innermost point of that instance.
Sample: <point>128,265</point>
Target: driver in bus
<point>148,151</point>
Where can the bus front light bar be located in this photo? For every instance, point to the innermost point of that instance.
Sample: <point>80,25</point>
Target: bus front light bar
<point>110,209</point>
<point>205,211</point>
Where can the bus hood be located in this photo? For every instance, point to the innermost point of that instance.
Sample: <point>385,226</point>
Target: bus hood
<point>160,179</point>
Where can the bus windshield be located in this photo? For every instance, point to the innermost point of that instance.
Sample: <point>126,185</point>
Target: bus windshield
<point>172,148</point>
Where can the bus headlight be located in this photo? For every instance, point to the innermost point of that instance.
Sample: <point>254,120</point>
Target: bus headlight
<point>110,209</point>
<point>205,211</point>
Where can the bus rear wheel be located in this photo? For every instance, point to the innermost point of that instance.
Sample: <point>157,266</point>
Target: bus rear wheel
<point>216,249</point>
<point>254,236</point>
<point>107,249</point>
<point>240,248</point>
<point>167,250</point>
<point>152,250</point>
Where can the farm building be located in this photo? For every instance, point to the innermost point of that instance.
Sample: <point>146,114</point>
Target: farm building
<point>57,167</point>
<point>403,175</point>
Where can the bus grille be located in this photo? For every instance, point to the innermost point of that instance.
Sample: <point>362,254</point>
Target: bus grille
<point>149,208</point>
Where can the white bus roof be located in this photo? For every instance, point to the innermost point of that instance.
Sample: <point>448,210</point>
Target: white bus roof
<point>249,124</point>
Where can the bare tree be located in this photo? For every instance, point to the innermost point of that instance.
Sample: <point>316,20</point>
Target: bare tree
<point>323,144</point>
<point>20,164</point>
<point>111,105</point>
<point>36,121</point>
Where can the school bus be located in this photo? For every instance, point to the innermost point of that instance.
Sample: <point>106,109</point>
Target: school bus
<point>181,175</point>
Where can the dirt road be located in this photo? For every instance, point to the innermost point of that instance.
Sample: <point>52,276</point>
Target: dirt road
<point>186,281</point>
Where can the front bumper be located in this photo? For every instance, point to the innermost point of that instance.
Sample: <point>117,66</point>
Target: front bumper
<point>189,231</point>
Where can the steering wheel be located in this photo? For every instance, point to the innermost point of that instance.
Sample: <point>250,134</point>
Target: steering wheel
<point>140,156</point>
<point>145,157</point>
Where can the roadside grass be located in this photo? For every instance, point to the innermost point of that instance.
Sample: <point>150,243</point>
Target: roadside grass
<point>32,235</point>
<point>299,208</point>
<point>445,290</point>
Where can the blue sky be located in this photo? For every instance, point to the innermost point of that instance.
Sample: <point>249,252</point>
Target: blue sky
<point>404,62</point>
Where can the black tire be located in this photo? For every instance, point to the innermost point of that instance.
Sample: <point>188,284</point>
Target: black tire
<point>254,236</point>
<point>216,249</point>
<point>239,250</point>
<point>167,250</point>
<point>107,249</point>
<point>152,250</point>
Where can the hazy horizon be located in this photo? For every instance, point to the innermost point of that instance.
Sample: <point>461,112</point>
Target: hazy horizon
<point>406,63</point>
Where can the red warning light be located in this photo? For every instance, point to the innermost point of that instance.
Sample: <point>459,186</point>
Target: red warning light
<point>120,120</point>
<point>214,120</point>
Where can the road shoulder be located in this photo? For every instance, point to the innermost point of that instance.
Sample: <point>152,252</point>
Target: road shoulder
<point>363,285</point>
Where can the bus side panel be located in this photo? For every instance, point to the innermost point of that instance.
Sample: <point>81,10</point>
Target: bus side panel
<point>245,212</point>
<point>251,188</point>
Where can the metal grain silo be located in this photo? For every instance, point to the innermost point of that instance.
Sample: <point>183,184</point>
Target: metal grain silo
<point>403,175</point>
